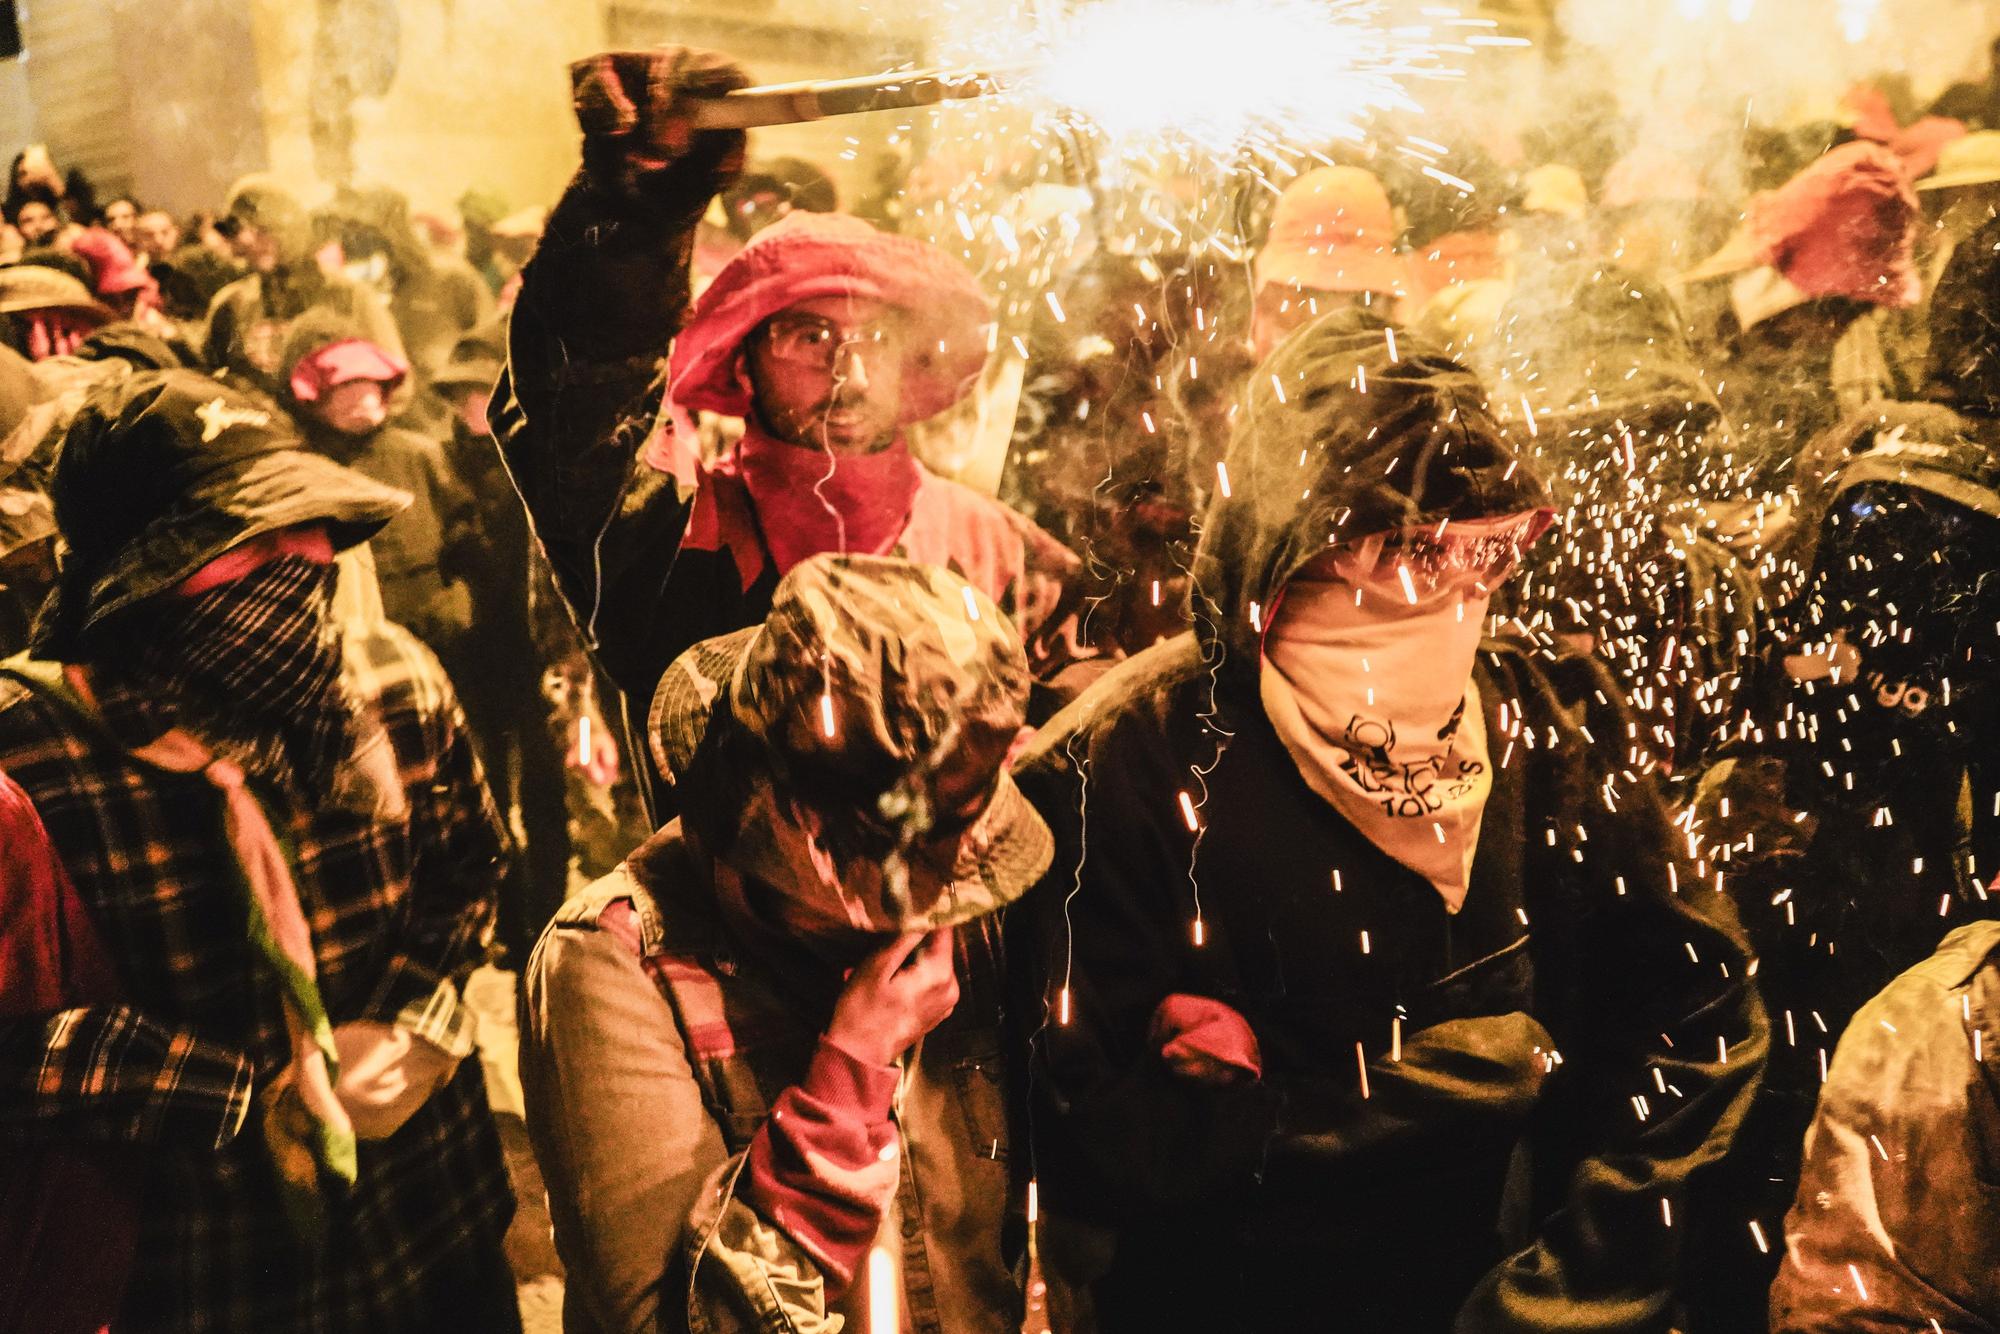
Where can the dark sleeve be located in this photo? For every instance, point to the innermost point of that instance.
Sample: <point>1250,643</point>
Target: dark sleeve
<point>109,1074</point>
<point>1093,950</point>
<point>1120,1135</point>
<point>599,306</point>
<point>1642,977</point>
<point>458,843</point>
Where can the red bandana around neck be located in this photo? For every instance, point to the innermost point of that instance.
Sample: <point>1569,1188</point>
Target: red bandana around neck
<point>809,500</point>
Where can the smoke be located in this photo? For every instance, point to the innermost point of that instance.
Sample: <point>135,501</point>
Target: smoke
<point>1692,75</point>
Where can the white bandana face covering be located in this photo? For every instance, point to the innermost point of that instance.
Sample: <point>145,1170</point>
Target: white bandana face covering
<point>1367,679</point>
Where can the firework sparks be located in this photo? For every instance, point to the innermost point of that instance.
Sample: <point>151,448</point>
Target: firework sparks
<point>1218,74</point>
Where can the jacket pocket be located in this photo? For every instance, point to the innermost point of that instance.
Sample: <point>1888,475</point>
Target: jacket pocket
<point>978,1084</point>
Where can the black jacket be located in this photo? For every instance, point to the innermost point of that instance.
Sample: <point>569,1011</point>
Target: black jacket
<point>1589,973</point>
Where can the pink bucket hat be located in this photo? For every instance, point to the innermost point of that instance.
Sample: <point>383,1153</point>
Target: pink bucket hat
<point>805,256</point>
<point>1845,226</point>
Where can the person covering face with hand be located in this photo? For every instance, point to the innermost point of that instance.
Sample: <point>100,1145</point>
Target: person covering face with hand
<point>1351,901</point>
<point>826,337</point>
<point>793,986</point>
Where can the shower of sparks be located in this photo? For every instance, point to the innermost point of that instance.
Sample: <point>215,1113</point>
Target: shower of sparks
<point>1222,74</point>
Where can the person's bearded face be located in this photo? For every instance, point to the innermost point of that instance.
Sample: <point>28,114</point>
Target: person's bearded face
<point>828,374</point>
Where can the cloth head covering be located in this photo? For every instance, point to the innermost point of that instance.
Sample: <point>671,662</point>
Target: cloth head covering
<point>113,269</point>
<point>331,365</point>
<point>1368,685</point>
<point>869,679</point>
<point>189,278</point>
<point>260,200</point>
<point>476,359</point>
<point>1601,350</point>
<point>1845,226</point>
<point>1334,231</point>
<point>810,500</point>
<point>805,256</point>
<point>325,348</point>
<point>1350,429</point>
<point>162,472</point>
<point>1367,447</point>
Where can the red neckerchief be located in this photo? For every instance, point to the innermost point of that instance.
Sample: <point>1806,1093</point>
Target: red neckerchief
<point>808,501</point>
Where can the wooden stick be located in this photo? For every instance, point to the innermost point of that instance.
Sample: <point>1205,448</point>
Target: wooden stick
<point>816,99</point>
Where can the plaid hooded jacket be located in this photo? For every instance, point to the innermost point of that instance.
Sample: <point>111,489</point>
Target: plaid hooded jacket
<point>398,896</point>
<point>395,906</point>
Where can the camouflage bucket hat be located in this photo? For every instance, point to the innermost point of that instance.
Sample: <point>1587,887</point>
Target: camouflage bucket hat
<point>872,682</point>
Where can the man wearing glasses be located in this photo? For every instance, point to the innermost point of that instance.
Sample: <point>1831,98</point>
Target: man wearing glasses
<point>825,336</point>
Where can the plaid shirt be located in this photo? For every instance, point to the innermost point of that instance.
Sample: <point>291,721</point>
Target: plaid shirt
<point>396,905</point>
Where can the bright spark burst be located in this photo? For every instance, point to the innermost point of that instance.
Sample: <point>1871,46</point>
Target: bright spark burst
<point>1220,74</point>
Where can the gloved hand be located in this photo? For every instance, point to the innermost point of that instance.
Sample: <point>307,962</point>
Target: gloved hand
<point>1205,1041</point>
<point>631,106</point>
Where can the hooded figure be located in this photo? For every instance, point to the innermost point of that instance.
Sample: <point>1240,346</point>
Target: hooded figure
<point>792,989</point>
<point>37,403</point>
<point>827,337</point>
<point>435,298</point>
<point>1339,884</point>
<point>1874,1243</point>
<point>338,386</point>
<point>276,825</point>
<point>1856,818</point>
<point>1812,268</point>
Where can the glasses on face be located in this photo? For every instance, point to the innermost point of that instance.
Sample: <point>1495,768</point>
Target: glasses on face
<point>804,340</point>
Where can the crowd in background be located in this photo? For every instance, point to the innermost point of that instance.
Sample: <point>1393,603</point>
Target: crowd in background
<point>1715,463</point>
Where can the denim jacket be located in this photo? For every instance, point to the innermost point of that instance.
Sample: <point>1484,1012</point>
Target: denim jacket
<point>654,1047</point>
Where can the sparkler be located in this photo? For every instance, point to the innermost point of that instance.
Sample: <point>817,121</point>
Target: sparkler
<point>1212,73</point>
<point>1222,73</point>
<point>815,99</point>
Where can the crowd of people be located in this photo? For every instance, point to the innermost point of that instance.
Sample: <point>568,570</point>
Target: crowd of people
<point>1450,788</point>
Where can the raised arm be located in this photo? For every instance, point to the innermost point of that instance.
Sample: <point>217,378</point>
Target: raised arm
<point>599,307</point>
